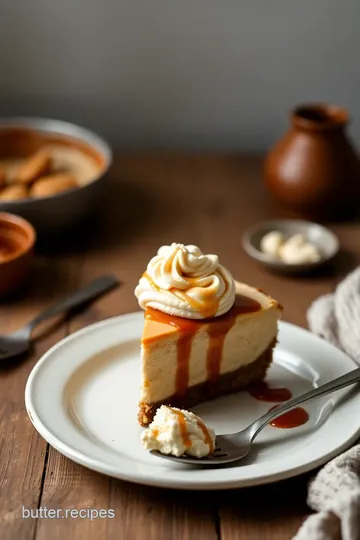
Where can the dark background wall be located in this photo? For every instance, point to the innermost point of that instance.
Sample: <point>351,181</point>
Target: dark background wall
<point>208,74</point>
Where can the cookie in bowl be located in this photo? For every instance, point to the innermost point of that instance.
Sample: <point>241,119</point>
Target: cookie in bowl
<point>13,192</point>
<point>53,184</point>
<point>33,168</point>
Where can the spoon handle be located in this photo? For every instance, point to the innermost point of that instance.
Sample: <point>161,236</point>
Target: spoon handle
<point>91,291</point>
<point>345,380</point>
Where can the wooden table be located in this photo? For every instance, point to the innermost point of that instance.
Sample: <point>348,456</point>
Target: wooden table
<point>151,200</point>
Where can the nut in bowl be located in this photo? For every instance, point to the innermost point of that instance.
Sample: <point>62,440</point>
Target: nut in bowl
<point>51,172</point>
<point>290,246</point>
<point>17,240</point>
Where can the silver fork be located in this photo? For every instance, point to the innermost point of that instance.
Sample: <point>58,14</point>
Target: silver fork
<point>18,342</point>
<point>235,446</point>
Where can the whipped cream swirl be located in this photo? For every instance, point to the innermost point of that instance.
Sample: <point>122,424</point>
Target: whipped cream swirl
<point>184,282</point>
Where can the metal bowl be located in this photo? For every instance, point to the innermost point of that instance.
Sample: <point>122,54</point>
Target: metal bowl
<point>58,212</point>
<point>324,239</point>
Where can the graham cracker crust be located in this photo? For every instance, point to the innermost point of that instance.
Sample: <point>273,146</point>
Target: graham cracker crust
<point>228,383</point>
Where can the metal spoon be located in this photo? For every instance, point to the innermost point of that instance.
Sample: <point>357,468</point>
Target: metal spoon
<point>18,342</point>
<point>235,446</point>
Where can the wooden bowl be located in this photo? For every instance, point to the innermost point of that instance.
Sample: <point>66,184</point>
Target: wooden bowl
<point>17,240</point>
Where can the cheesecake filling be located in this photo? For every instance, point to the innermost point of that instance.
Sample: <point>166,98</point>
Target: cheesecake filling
<point>184,282</point>
<point>204,355</point>
<point>194,294</point>
<point>178,432</point>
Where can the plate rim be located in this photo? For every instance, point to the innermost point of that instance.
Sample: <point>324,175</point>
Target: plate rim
<point>149,479</point>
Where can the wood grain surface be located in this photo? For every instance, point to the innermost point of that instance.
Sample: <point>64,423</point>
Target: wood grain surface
<point>151,200</point>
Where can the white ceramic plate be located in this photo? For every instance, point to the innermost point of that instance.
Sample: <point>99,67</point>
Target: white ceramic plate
<point>82,398</point>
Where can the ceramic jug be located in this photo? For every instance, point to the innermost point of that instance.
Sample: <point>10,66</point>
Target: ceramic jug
<point>314,169</point>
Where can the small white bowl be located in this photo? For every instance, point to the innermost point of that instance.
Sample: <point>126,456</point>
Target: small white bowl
<point>325,240</point>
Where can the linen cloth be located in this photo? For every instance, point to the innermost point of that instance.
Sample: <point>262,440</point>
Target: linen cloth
<point>334,493</point>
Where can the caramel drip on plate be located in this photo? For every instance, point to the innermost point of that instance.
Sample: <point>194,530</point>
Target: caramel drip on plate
<point>217,329</point>
<point>294,418</point>
<point>208,439</point>
<point>183,428</point>
<point>263,392</point>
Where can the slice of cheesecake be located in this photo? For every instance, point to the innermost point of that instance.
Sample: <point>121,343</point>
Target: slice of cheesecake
<point>188,361</point>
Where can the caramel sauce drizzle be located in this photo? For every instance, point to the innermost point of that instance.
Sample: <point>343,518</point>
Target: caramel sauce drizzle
<point>183,363</point>
<point>208,439</point>
<point>187,329</point>
<point>208,308</point>
<point>183,429</point>
<point>217,329</point>
<point>152,283</point>
<point>185,434</point>
<point>217,334</point>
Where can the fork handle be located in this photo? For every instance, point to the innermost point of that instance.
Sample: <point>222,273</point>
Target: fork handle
<point>340,382</point>
<point>94,289</point>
